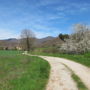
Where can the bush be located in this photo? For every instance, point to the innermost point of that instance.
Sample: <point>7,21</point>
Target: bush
<point>51,50</point>
<point>79,41</point>
<point>1,48</point>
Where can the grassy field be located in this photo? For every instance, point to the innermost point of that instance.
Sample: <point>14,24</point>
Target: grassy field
<point>19,72</point>
<point>83,59</point>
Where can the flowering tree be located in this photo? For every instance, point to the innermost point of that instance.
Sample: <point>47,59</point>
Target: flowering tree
<point>79,41</point>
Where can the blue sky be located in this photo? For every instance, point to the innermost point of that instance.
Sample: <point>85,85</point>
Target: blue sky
<point>43,17</point>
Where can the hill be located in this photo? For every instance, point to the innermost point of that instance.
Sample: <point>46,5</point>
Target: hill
<point>49,41</point>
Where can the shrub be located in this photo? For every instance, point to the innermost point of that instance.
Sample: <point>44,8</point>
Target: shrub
<point>79,41</point>
<point>1,48</point>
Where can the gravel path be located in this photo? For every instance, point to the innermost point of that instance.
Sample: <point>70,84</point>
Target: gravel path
<point>60,76</point>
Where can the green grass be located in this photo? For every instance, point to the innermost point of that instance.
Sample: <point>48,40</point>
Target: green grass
<point>20,72</point>
<point>79,83</point>
<point>83,59</point>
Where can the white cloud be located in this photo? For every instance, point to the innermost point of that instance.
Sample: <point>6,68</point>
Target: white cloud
<point>47,2</point>
<point>73,8</point>
<point>4,34</point>
<point>43,31</point>
<point>42,34</point>
<point>45,34</point>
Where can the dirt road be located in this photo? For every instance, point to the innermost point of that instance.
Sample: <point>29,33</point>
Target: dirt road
<point>60,76</point>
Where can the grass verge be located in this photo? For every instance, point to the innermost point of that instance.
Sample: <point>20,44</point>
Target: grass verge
<point>78,81</point>
<point>82,59</point>
<point>20,72</point>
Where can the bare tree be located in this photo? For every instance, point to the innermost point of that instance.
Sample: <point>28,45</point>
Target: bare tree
<point>27,39</point>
